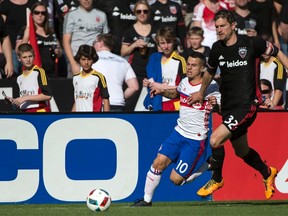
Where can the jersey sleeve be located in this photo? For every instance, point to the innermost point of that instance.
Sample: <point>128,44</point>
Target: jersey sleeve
<point>213,90</point>
<point>103,87</point>
<point>279,76</point>
<point>263,47</point>
<point>43,82</point>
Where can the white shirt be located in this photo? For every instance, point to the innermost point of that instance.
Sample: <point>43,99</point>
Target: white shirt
<point>116,71</point>
<point>193,120</point>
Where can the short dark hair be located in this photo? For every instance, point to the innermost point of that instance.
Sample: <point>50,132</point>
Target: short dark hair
<point>199,56</point>
<point>266,83</point>
<point>225,14</point>
<point>86,51</point>
<point>25,47</point>
<point>107,39</point>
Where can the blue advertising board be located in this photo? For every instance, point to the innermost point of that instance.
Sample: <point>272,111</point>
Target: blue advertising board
<point>59,158</point>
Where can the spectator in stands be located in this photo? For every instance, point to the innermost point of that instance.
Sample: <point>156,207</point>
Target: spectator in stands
<point>169,13</point>
<point>136,48</point>
<point>195,37</point>
<point>61,8</point>
<point>14,15</point>
<point>35,91</point>
<point>49,46</point>
<point>81,26</point>
<point>189,6</point>
<point>120,17</point>
<point>283,27</point>
<point>90,88</point>
<point>7,70</point>
<point>165,69</point>
<point>267,99</point>
<point>247,21</point>
<point>203,17</point>
<point>264,9</point>
<point>117,72</point>
<point>272,69</point>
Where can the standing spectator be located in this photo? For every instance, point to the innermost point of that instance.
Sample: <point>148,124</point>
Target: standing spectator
<point>247,21</point>
<point>61,8</point>
<point>81,26</point>
<point>34,88</point>
<point>169,13</point>
<point>272,69</point>
<point>203,17</point>
<point>283,27</point>
<point>117,72</point>
<point>14,15</point>
<point>195,37</point>
<point>47,42</point>
<point>90,88</point>
<point>7,51</point>
<point>187,143</point>
<point>236,56</point>
<point>136,48</point>
<point>165,69</point>
<point>189,5</point>
<point>120,17</point>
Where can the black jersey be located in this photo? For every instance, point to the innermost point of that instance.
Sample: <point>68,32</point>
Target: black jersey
<point>169,14</point>
<point>15,17</point>
<point>241,26</point>
<point>120,18</point>
<point>2,28</point>
<point>239,84</point>
<point>137,61</point>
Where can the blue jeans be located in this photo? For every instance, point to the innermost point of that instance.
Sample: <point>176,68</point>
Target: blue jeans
<point>284,45</point>
<point>16,63</point>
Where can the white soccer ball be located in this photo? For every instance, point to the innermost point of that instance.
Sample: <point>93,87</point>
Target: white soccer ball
<point>98,200</point>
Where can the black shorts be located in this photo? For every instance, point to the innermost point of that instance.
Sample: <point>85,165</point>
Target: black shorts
<point>238,120</point>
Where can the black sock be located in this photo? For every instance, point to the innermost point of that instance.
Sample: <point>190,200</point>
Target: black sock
<point>254,160</point>
<point>217,161</point>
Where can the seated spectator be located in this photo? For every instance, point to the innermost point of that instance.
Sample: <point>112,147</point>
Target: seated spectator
<point>49,46</point>
<point>272,70</point>
<point>117,71</point>
<point>90,87</point>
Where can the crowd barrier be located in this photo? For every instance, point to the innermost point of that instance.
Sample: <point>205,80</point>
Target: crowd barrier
<point>59,157</point>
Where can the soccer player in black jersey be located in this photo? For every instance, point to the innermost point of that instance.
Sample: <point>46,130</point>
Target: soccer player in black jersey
<point>236,56</point>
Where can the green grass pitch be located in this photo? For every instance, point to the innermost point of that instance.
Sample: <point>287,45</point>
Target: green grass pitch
<point>245,208</point>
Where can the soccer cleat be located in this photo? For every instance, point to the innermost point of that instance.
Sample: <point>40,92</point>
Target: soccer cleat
<point>269,183</point>
<point>141,203</point>
<point>210,187</point>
